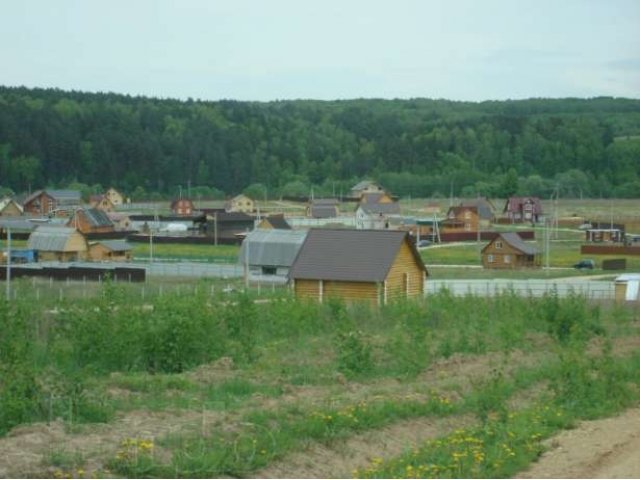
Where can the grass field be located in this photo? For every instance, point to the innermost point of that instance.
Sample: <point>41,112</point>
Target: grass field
<point>200,385</point>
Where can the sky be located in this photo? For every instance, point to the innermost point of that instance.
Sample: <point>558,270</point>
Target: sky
<point>265,50</point>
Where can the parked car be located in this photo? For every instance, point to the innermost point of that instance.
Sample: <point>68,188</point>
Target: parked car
<point>585,264</point>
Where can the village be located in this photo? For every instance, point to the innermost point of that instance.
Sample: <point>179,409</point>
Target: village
<point>368,245</point>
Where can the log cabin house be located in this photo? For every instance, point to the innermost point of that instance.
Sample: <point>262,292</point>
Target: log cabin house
<point>358,265</point>
<point>508,250</point>
<point>62,244</point>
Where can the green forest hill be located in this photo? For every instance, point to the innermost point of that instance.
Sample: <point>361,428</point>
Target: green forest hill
<point>416,147</point>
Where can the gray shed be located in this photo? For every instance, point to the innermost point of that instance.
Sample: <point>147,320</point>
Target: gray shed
<point>271,252</point>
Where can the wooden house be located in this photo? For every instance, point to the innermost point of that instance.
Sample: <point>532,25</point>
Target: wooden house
<point>240,203</point>
<point>323,208</point>
<point>121,222</point>
<point>508,250</point>
<point>368,265</point>
<point>277,222</point>
<point>10,208</point>
<point>62,244</point>
<point>182,206</point>
<point>91,220</point>
<point>523,209</point>
<point>114,196</point>
<point>364,187</point>
<point>484,208</point>
<point>110,251</point>
<point>101,202</point>
<point>45,202</point>
<point>461,219</point>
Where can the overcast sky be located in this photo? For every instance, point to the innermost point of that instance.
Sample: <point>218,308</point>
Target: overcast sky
<point>324,49</point>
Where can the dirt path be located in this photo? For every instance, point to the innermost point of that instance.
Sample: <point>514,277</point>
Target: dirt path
<point>607,448</point>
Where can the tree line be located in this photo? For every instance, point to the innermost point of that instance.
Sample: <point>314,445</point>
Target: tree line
<point>418,147</point>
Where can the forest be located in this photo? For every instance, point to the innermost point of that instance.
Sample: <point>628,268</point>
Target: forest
<point>151,147</point>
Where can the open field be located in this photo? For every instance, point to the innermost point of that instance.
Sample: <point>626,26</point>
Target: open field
<point>209,384</point>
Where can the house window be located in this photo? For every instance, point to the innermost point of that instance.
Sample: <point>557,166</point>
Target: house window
<point>467,214</point>
<point>467,226</point>
<point>507,259</point>
<point>498,245</point>
<point>269,270</point>
<point>490,258</point>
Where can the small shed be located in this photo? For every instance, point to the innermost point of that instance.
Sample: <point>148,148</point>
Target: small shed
<point>323,208</point>
<point>369,265</point>
<point>61,244</point>
<point>508,250</point>
<point>627,287</point>
<point>270,252</point>
<point>111,250</point>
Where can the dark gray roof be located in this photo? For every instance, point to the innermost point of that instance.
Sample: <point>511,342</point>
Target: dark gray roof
<point>278,222</point>
<point>513,239</point>
<point>116,245</point>
<point>325,201</point>
<point>96,217</point>
<point>483,207</point>
<point>65,197</point>
<point>349,255</point>
<point>323,211</point>
<point>384,208</point>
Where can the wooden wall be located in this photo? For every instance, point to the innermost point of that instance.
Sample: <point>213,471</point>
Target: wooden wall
<point>405,278</point>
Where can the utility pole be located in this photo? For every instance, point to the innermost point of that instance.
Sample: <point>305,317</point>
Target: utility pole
<point>8,285</point>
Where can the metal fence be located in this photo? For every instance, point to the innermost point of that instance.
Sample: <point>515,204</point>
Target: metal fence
<point>599,290</point>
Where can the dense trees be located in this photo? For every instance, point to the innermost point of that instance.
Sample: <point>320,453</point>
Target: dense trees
<point>415,147</point>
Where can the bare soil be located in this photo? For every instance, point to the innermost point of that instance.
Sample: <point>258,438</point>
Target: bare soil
<point>607,448</point>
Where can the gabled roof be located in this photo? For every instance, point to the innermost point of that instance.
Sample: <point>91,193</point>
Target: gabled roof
<point>350,255</point>
<point>65,197</point>
<point>456,211</point>
<point>51,239</point>
<point>514,204</point>
<point>323,211</point>
<point>513,239</point>
<point>271,247</point>
<point>325,201</point>
<point>483,206</point>
<point>364,184</point>
<point>96,217</point>
<point>278,222</point>
<point>6,201</point>
<point>392,208</point>
<point>116,245</point>
<point>241,196</point>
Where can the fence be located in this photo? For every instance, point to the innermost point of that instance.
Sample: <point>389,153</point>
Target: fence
<point>609,250</point>
<point>599,290</point>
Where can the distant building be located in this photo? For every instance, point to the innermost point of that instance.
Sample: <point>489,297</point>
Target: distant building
<point>461,219</point>
<point>485,209</point>
<point>115,197</point>
<point>508,250</point>
<point>240,203</point>
<point>323,208</point>
<point>365,186</point>
<point>10,208</point>
<point>277,222</point>
<point>182,206</point>
<point>91,220</point>
<point>367,265</point>
<point>101,202</point>
<point>121,222</point>
<point>61,244</point>
<point>375,211</point>
<point>45,202</point>
<point>110,251</point>
<point>523,209</point>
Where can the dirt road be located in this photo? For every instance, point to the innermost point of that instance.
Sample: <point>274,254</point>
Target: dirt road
<point>608,448</point>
